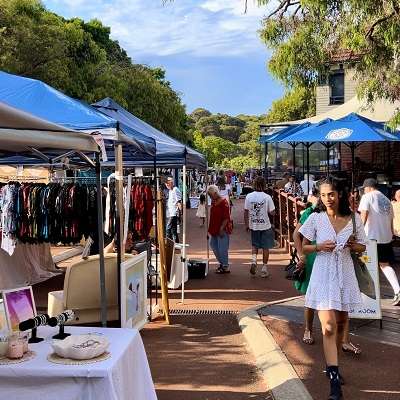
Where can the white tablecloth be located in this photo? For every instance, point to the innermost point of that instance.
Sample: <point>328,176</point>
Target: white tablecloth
<point>124,376</point>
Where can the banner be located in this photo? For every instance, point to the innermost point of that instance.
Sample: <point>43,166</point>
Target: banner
<point>370,308</point>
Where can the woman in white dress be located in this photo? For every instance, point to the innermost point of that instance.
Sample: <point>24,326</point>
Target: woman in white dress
<point>333,289</point>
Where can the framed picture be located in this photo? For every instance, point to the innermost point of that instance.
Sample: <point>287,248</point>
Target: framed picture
<point>19,305</point>
<point>134,292</point>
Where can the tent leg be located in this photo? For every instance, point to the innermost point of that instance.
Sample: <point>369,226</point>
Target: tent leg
<point>157,176</point>
<point>100,227</point>
<point>208,244</point>
<point>294,158</point>
<point>353,148</point>
<point>266,162</point>
<point>328,147</point>
<point>303,157</point>
<point>308,167</point>
<point>119,219</point>
<point>184,190</point>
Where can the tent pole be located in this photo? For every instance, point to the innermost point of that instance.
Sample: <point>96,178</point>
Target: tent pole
<point>100,227</point>
<point>206,205</point>
<point>303,156</point>
<point>266,161</point>
<point>308,167</point>
<point>328,147</point>
<point>119,218</point>
<point>157,173</point>
<point>352,147</point>
<point>294,158</point>
<point>183,257</point>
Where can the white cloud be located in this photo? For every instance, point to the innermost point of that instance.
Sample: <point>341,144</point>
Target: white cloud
<point>197,27</point>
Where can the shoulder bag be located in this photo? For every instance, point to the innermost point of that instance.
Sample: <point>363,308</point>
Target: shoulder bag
<point>364,278</point>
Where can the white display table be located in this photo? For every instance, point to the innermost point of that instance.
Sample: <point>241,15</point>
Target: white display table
<point>124,376</point>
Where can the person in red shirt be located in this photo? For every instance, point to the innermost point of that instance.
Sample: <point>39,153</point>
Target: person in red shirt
<point>218,229</point>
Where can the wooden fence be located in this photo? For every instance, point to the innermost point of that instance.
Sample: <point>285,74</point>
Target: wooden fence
<point>287,215</point>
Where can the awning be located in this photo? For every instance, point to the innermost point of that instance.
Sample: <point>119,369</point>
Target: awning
<point>169,151</point>
<point>20,131</point>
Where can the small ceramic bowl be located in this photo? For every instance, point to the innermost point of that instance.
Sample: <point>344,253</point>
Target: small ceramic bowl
<point>81,347</point>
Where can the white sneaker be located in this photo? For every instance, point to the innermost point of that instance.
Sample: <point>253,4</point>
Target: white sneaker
<point>396,300</point>
<point>264,272</point>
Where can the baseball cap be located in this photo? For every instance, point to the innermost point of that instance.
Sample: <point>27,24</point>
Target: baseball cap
<point>370,182</point>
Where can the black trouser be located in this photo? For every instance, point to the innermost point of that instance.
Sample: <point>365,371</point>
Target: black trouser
<point>172,229</point>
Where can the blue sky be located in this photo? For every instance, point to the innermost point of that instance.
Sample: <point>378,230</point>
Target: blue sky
<point>209,48</point>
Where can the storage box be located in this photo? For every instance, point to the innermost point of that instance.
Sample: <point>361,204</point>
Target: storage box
<point>198,269</point>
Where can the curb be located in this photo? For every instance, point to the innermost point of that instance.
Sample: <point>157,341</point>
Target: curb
<point>275,368</point>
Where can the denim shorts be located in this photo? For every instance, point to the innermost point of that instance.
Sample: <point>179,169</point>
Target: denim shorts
<point>263,239</point>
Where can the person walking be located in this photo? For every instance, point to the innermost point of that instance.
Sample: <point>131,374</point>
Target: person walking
<point>333,288</point>
<point>224,188</point>
<point>257,207</point>
<point>307,262</point>
<point>201,209</point>
<point>174,206</point>
<point>377,215</point>
<point>219,229</point>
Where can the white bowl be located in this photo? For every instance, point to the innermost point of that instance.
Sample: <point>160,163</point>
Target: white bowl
<point>81,347</point>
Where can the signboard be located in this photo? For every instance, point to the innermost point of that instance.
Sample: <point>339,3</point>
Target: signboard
<point>370,308</point>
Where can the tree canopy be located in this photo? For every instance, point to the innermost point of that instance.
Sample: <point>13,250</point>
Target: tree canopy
<point>80,59</point>
<point>304,35</point>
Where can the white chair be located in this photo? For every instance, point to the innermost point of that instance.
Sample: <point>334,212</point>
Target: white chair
<point>82,290</point>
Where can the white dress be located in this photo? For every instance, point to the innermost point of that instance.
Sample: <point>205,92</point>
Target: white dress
<point>333,283</point>
<point>201,210</point>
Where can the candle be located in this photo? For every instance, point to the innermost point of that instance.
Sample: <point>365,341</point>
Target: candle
<point>15,348</point>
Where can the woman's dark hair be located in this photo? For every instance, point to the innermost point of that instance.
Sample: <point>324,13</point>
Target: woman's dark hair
<point>221,182</point>
<point>259,184</point>
<point>340,186</point>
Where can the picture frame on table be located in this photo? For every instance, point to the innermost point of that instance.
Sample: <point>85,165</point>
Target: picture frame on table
<point>134,292</point>
<point>19,305</point>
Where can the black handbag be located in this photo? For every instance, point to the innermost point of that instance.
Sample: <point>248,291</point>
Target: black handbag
<point>295,273</point>
<point>364,278</point>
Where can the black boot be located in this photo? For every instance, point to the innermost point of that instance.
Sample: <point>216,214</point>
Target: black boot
<point>341,379</point>
<point>336,390</point>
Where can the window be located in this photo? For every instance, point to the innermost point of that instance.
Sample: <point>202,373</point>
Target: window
<point>336,83</point>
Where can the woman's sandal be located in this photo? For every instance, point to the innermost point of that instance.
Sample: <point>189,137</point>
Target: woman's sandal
<point>308,338</point>
<point>351,348</point>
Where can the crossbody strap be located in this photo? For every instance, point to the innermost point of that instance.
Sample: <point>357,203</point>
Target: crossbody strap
<point>353,219</point>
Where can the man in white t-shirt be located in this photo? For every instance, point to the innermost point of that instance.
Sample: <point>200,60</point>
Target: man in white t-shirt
<point>377,215</point>
<point>174,205</point>
<point>257,207</point>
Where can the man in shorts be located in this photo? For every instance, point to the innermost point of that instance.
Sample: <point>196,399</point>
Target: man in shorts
<point>377,215</point>
<point>257,208</point>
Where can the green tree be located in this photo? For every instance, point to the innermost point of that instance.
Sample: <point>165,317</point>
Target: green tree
<point>304,35</point>
<point>295,104</point>
<point>80,59</point>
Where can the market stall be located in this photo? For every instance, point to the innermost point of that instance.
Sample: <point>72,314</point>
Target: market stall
<point>118,140</point>
<point>98,363</point>
<point>169,153</point>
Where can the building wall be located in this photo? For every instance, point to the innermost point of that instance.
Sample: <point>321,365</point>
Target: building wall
<point>323,92</point>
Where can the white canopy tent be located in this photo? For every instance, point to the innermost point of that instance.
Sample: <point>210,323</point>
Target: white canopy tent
<point>20,131</point>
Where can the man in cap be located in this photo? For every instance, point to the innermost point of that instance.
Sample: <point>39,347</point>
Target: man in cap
<point>377,215</point>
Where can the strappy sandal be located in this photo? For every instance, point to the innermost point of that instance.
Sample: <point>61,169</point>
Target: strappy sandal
<point>351,348</point>
<point>308,338</point>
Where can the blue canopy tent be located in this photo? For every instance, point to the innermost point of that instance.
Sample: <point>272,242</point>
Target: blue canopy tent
<point>280,134</point>
<point>352,130</point>
<point>169,151</point>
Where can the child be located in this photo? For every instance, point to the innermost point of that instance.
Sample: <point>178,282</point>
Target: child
<point>201,210</point>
